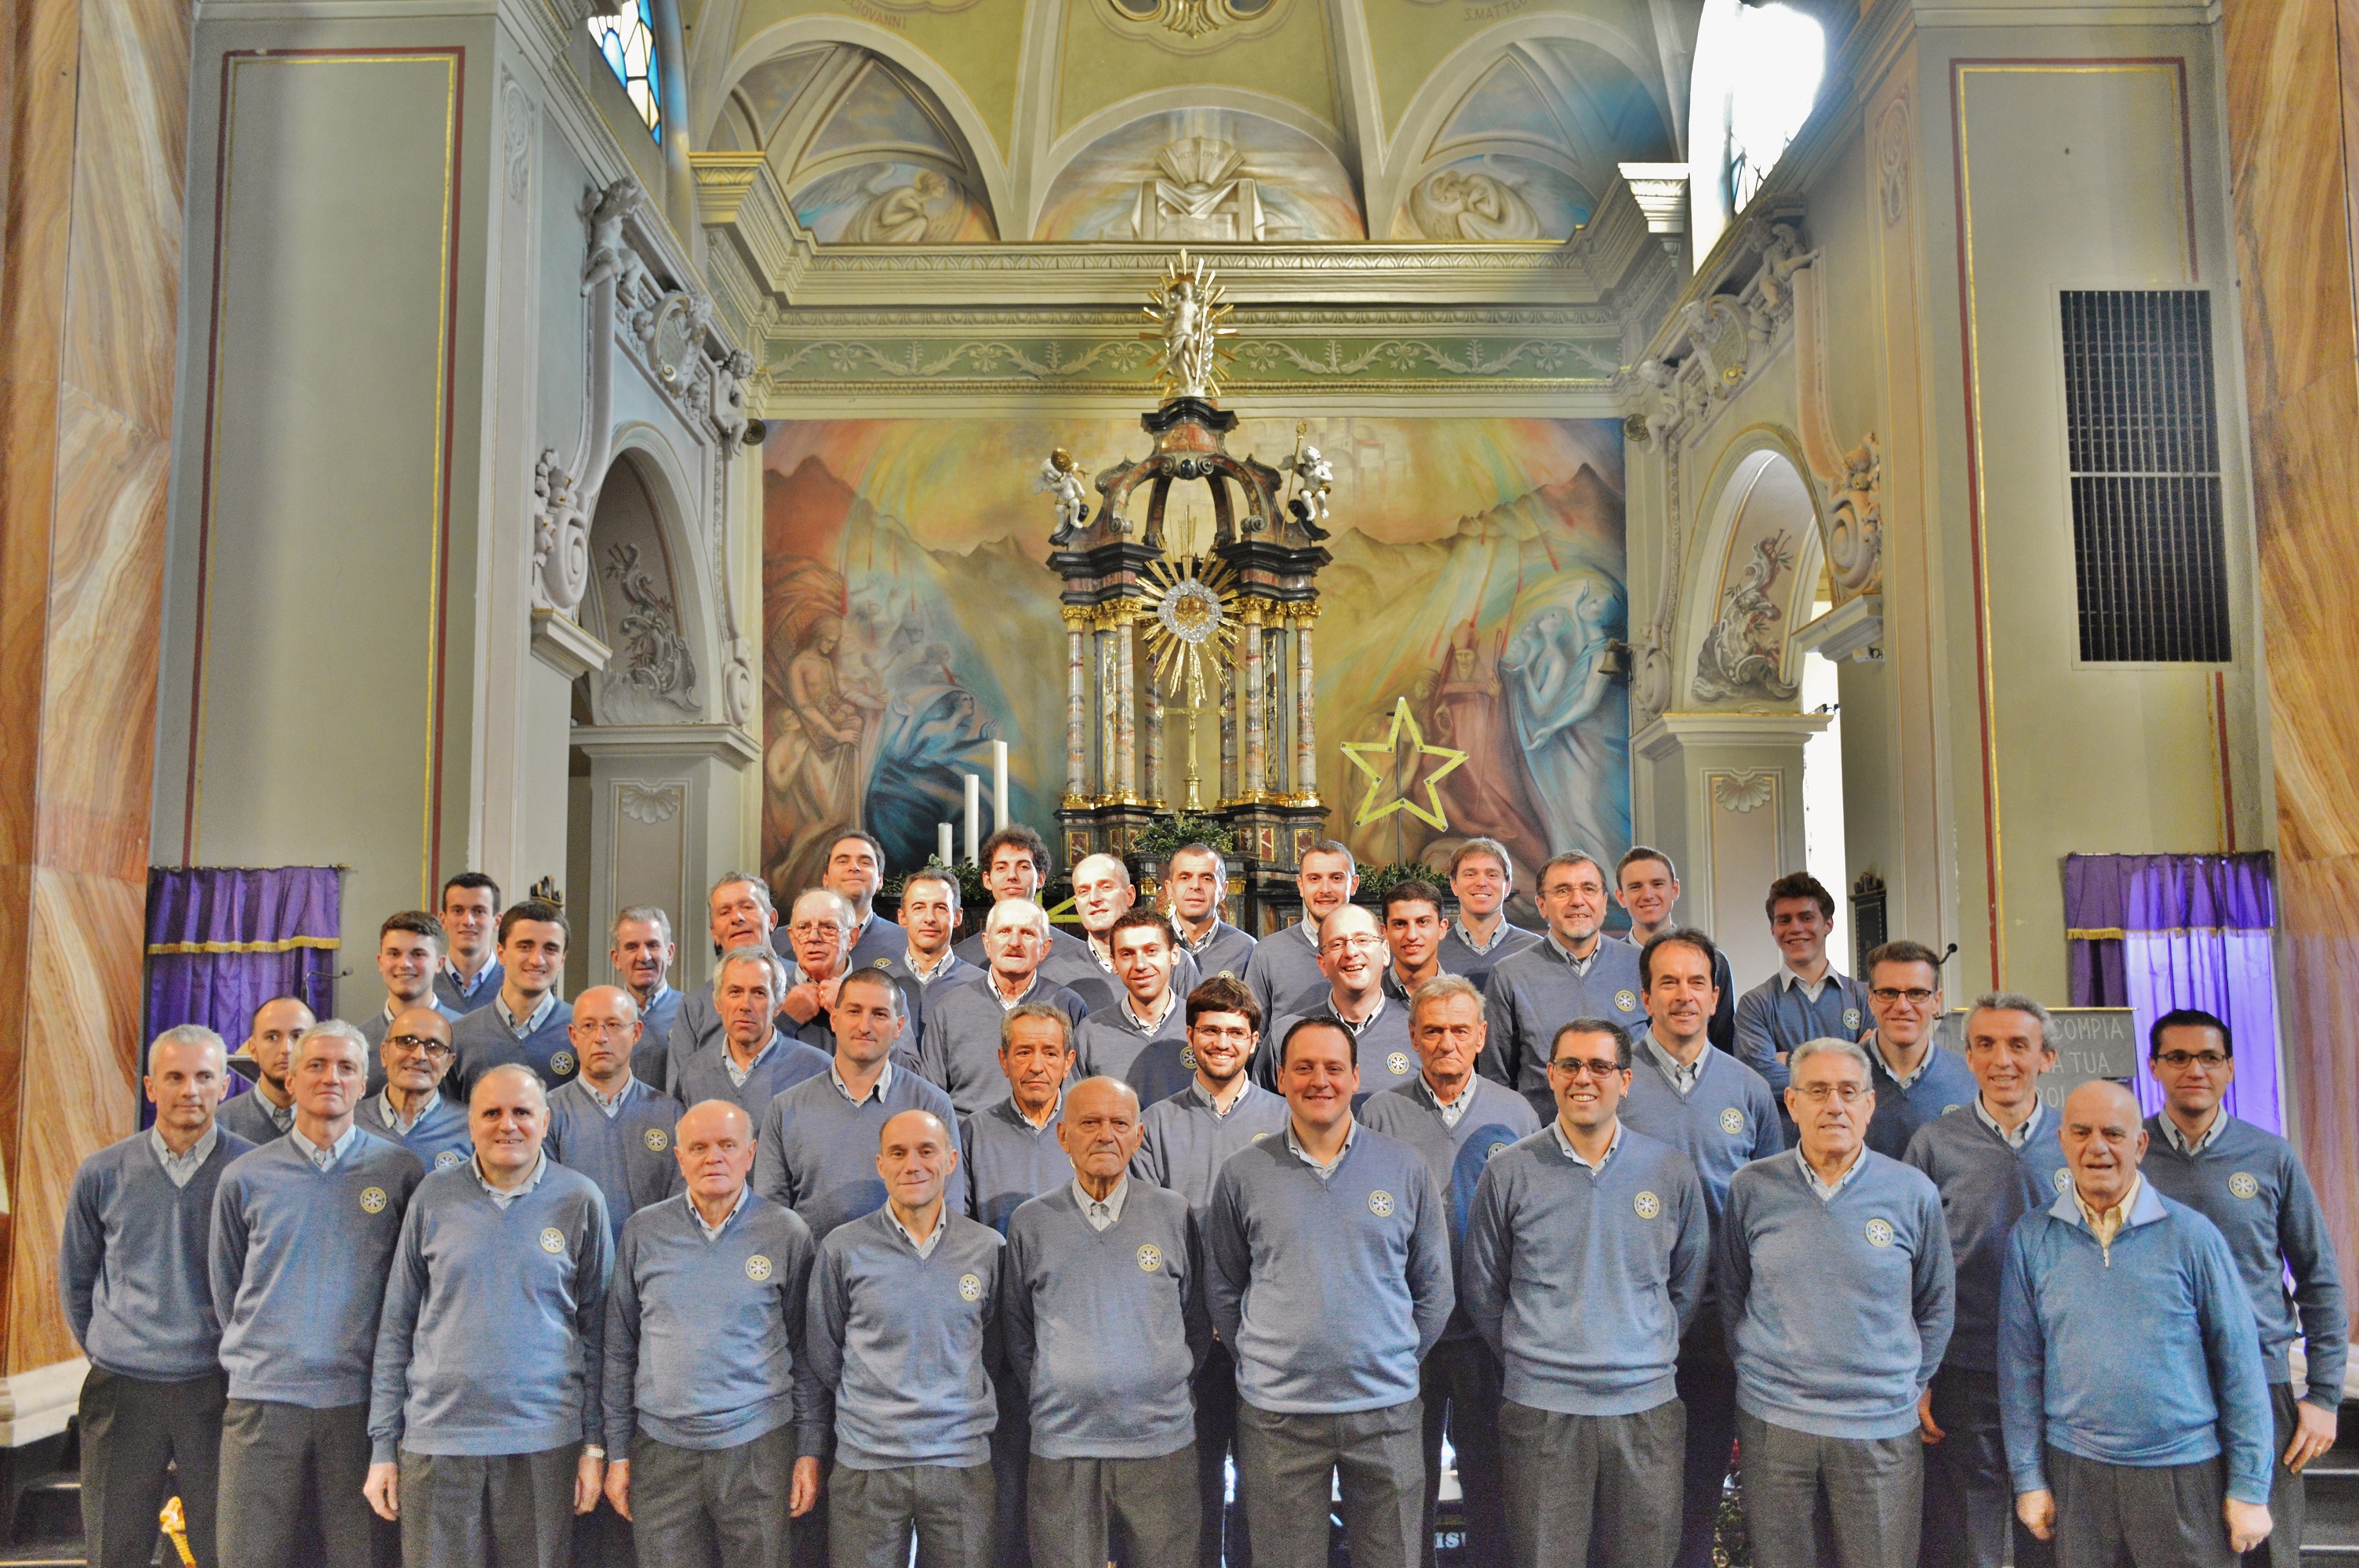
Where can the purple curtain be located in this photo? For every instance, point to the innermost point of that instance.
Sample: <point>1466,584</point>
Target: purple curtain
<point>222,940</point>
<point>2156,932</point>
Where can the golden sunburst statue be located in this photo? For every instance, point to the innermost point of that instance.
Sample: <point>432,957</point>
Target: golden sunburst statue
<point>1191,622</point>
<point>1188,310</point>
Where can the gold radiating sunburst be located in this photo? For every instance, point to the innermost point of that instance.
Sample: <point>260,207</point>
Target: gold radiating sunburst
<point>1193,618</point>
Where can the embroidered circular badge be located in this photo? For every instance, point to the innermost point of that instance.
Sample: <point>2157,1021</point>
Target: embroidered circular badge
<point>1151,1258</point>
<point>1397,1064</point>
<point>971,1287</point>
<point>1626,1001</point>
<point>884,963</point>
<point>1879,1233</point>
<point>1259,1136</point>
<point>1947,1108</point>
<point>448,1160</point>
<point>1731,1121</point>
<point>2244,1185</point>
<point>1380,1203</point>
<point>1188,1058</point>
<point>757,1268</point>
<point>1851,1018</point>
<point>373,1200</point>
<point>1646,1204</point>
<point>656,1140</point>
<point>561,1064</point>
<point>2064,1181</point>
<point>1494,1151</point>
<point>1228,975</point>
<point>552,1240</point>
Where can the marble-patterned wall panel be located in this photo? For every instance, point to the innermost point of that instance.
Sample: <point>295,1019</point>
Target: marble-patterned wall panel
<point>324,517</point>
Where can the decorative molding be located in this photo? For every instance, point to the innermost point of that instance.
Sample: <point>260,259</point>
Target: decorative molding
<point>657,658</point>
<point>1853,628</point>
<point>559,642</point>
<point>1670,733</point>
<point>518,120</point>
<point>1892,160</point>
<point>650,803</point>
<point>728,744</point>
<point>38,1403</point>
<point>1745,792</point>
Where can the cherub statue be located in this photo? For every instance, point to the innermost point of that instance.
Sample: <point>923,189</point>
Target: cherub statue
<point>1314,476</point>
<point>1060,478</point>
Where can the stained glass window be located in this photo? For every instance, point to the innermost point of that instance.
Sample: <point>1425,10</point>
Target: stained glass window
<point>628,41</point>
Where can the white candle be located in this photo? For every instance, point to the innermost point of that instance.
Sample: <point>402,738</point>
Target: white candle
<point>943,843</point>
<point>974,815</point>
<point>998,785</point>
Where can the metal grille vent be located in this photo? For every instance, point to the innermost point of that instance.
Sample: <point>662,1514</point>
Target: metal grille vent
<point>2142,442</point>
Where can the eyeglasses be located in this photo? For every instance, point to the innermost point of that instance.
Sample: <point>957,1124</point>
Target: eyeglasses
<point>1818,1093</point>
<point>1915,997</point>
<point>815,928</point>
<point>1363,944</point>
<point>604,1031</point>
<point>418,1042</point>
<point>2209,1061</point>
<point>1234,1035</point>
<point>1595,1066</point>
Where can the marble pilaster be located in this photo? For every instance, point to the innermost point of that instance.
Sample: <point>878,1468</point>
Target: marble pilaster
<point>1077,714</point>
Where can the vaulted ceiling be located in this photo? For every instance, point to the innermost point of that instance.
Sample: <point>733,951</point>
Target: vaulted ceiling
<point>931,121</point>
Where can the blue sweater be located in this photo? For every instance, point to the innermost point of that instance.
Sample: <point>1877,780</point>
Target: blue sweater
<point>815,1152</point>
<point>1106,1328</point>
<point>1456,1156</point>
<point>1457,958</point>
<point>1224,954</point>
<point>958,1053</point>
<point>439,1137</point>
<point>1380,1048</point>
<point>1362,1253</point>
<point>1945,1084</point>
<point>628,1155</point>
<point>915,991</point>
<point>300,1257</point>
<point>1985,1187</point>
<point>1774,1016</point>
<point>490,1341</point>
<point>696,1026</point>
<point>1109,1045</point>
<point>1075,967</point>
<point>2250,1184</point>
<point>1009,1161</point>
<point>484,1041</point>
<point>1183,1142</point>
<point>705,1339</point>
<point>903,1344</point>
<point>1837,1309</point>
<point>2147,1356</point>
<point>1532,994</point>
<point>706,1076</point>
<point>488,980</point>
<point>132,1264</point>
<point>248,1116</point>
<point>1580,1281</point>
<point>1284,975</point>
<point>1722,1124</point>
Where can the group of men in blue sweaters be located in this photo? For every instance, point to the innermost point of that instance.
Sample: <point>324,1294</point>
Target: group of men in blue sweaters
<point>1017,1250</point>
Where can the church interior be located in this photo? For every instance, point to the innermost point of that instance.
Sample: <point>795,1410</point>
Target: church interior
<point>605,447</point>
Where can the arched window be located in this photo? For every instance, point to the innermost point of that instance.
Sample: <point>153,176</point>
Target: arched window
<point>628,39</point>
<point>1758,69</point>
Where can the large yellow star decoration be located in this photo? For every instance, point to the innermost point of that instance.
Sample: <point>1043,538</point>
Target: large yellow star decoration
<point>1360,752</point>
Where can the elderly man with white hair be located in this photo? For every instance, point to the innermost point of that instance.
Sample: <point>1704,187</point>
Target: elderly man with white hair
<point>484,1416</point>
<point>752,1061</point>
<point>1838,1294</point>
<point>131,1269</point>
<point>738,914</point>
<point>821,928</point>
<point>958,1051</point>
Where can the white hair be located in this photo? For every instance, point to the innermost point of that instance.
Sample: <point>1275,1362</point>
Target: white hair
<point>1828,1045</point>
<point>752,954</point>
<point>1038,915</point>
<point>837,904</point>
<point>187,1034</point>
<point>331,1029</point>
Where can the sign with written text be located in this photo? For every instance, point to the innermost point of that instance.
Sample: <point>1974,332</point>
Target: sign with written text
<point>2091,1043</point>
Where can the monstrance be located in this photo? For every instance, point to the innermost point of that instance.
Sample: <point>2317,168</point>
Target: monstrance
<point>1192,616</point>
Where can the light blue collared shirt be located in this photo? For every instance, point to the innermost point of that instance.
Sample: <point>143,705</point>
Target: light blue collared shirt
<point>1564,1141</point>
<point>1101,1214</point>
<point>1351,1135</point>
<point>924,1249</point>
<point>325,1159</point>
<point>2210,1134</point>
<point>1682,1078</point>
<point>1826,1190</point>
<point>500,1199</point>
<point>876,1090</point>
<point>179,1167</point>
<point>2023,1135</point>
<point>738,1074</point>
<point>540,1014</point>
<point>712,1232</point>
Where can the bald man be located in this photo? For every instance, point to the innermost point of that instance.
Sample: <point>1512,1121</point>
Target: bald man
<point>1353,958</point>
<point>485,1414</point>
<point>1102,892</point>
<point>268,1109</point>
<point>606,1123</point>
<point>1104,1295</point>
<point>904,1328</point>
<point>411,1109</point>
<point>711,1411</point>
<point>2136,1415</point>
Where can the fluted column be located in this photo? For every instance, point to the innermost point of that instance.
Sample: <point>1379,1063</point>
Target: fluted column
<point>1256,743</point>
<point>1077,709</point>
<point>1306,746</point>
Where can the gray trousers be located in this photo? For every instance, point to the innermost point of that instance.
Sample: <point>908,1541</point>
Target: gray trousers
<point>1874,1489</point>
<point>1969,1497</point>
<point>1287,1468</point>
<point>1568,1475</point>
<point>1458,1386</point>
<point>2288,1496</point>
<point>131,1430</point>
<point>1216,1435</point>
<point>872,1514</point>
<point>269,1451</point>
<point>2109,1516</point>
<point>692,1507</point>
<point>1075,1503</point>
<point>500,1510</point>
